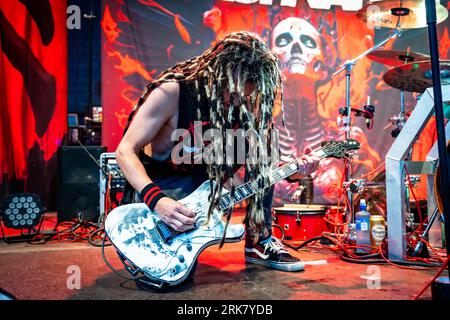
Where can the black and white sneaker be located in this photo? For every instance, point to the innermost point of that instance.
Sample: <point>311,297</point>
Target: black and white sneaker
<point>272,254</point>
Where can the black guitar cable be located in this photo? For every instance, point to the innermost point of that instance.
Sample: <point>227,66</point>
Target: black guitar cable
<point>110,266</point>
<point>137,280</point>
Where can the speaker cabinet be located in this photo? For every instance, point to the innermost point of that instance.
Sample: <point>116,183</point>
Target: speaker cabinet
<point>78,191</point>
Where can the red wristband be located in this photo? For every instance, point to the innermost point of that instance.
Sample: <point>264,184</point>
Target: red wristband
<point>151,195</point>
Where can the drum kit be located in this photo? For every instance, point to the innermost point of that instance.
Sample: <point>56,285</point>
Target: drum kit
<point>408,72</point>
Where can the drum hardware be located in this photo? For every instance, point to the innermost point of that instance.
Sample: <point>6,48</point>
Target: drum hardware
<point>398,121</point>
<point>414,180</point>
<point>396,159</point>
<point>305,191</point>
<point>348,66</point>
<point>297,194</point>
<point>402,109</point>
<point>394,58</point>
<point>302,222</point>
<point>409,72</point>
<point>411,182</point>
<point>410,220</point>
<point>416,76</point>
<point>419,249</point>
<point>407,14</point>
<point>346,122</point>
<point>356,185</point>
<point>367,112</point>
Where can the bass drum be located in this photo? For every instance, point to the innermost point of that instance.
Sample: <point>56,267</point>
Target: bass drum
<point>301,222</point>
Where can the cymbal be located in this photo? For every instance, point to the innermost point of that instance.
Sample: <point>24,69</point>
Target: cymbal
<point>416,76</point>
<point>396,57</point>
<point>405,14</point>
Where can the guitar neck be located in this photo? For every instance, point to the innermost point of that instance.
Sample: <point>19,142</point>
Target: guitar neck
<point>250,188</point>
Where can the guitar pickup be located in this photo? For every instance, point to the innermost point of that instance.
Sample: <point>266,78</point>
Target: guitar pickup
<point>165,232</point>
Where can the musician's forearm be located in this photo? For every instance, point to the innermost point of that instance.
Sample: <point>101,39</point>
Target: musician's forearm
<point>133,169</point>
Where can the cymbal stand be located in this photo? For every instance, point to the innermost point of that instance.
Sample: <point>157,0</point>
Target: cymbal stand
<point>402,108</point>
<point>348,66</point>
<point>399,120</point>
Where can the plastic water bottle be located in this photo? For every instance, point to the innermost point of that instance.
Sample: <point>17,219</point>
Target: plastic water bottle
<point>362,218</point>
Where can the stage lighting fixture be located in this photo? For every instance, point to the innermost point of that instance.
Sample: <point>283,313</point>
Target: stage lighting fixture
<point>21,211</point>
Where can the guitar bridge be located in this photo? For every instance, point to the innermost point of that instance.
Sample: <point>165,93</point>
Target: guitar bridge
<point>165,232</point>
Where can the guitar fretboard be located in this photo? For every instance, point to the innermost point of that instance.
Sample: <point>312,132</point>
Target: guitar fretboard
<point>250,188</point>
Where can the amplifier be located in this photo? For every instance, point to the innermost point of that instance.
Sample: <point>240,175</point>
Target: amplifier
<point>78,182</point>
<point>110,167</point>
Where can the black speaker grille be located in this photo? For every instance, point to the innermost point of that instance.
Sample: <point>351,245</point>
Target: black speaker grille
<point>78,191</point>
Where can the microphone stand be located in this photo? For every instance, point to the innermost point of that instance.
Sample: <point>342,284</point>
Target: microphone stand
<point>440,287</point>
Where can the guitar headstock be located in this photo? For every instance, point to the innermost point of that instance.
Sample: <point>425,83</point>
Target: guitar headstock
<point>340,149</point>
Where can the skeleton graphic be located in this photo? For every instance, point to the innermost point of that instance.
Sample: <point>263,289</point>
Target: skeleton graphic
<point>298,45</point>
<point>300,49</point>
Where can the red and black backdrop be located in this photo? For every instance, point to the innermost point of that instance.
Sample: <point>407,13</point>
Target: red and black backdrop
<point>33,93</point>
<point>143,37</point>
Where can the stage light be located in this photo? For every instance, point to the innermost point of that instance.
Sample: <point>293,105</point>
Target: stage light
<point>21,211</point>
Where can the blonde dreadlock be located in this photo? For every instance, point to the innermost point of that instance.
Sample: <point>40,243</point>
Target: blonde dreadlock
<point>245,56</point>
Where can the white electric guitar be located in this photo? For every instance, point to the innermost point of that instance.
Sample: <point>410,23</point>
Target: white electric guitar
<point>166,257</point>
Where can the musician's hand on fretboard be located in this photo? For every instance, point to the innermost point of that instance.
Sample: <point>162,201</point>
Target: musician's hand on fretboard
<point>307,164</point>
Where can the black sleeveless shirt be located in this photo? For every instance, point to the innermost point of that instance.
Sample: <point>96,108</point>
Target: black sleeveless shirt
<point>176,180</point>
